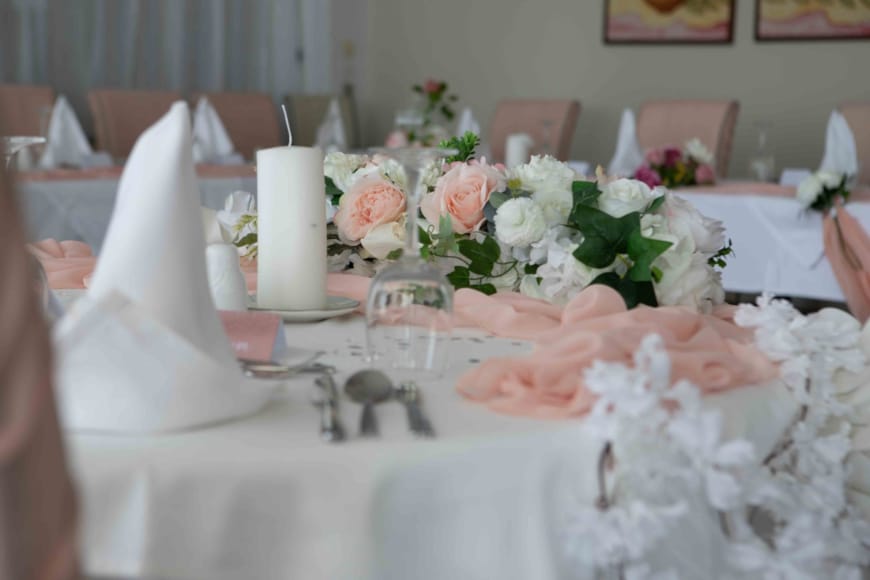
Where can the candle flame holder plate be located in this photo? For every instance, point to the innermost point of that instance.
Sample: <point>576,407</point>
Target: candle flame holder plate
<point>335,306</point>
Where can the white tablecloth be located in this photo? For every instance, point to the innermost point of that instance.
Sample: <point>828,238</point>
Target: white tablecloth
<point>778,247</point>
<point>80,209</point>
<point>265,498</point>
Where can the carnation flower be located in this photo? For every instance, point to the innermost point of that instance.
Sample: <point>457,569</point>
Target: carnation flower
<point>698,151</point>
<point>544,174</point>
<point>519,222</point>
<point>340,167</point>
<point>648,175</point>
<point>556,205</point>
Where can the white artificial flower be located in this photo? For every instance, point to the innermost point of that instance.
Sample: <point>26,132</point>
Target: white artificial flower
<point>559,284</point>
<point>809,190</point>
<point>556,205</point>
<point>684,220</point>
<point>430,174</point>
<point>340,168</point>
<point>385,238</point>
<point>519,222</point>
<point>623,196</point>
<point>544,174</point>
<point>830,179</point>
<point>698,151</point>
<point>687,280</point>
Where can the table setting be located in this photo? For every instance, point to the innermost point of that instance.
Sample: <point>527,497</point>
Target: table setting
<point>498,396</point>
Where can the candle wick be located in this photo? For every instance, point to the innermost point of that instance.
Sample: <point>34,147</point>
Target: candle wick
<point>287,124</point>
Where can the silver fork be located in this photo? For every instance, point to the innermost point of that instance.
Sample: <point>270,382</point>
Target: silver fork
<point>409,394</point>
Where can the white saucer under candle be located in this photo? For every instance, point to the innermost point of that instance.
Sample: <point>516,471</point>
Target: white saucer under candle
<point>291,237</point>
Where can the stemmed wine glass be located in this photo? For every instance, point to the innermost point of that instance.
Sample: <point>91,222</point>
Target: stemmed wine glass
<point>12,145</point>
<point>410,302</point>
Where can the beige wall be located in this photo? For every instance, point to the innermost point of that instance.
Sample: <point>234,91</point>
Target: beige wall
<point>489,49</point>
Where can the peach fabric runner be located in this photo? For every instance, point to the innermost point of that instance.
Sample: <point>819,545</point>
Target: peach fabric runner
<point>760,188</point>
<point>708,350</point>
<point>204,171</point>
<point>37,499</point>
<point>847,247</point>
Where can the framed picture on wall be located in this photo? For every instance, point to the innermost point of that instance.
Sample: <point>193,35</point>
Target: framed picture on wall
<point>668,21</point>
<point>812,19</point>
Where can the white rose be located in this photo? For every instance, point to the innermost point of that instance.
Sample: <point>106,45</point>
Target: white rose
<point>688,281</point>
<point>697,151</point>
<point>385,238</point>
<point>829,179</point>
<point>809,190</point>
<point>519,222</point>
<point>544,173</point>
<point>340,168</point>
<point>556,205</point>
<point>684,220</point>
<point>623,196</point>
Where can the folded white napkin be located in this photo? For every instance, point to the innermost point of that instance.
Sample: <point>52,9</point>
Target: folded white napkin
<point>211,142</point>
<point>331,135</point>
<point>466,123</point>
<point>145,350</point>
<point>841,155</point>
<point>793,176</point>
<point>628,155</point>
<point>66,140</point>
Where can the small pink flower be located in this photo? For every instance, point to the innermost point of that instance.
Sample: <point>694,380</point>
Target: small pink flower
<point>672,155</point>
<point>462,193</point>
<point>370,202</point>
<point>704,174</point>
<point>432,86</point>
<point>396,139</point>
<point>649,176</point>
<point>655,156</point>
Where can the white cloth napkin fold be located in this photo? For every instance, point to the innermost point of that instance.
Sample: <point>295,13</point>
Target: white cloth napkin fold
<point>841,154</point>
<point>211,142</point>
<point>628,155</point>
<point>331,135</point>
<point>466,123</point>
<point>145,350</point>
<point>66,141</point>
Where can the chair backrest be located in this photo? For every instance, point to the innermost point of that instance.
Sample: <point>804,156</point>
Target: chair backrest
<point>550,120</point>
<point>251,120</point>
<point>858,118</point>
<point>37,500</point>
<point>307,112</point>
<point>663,123</point>
<point>25,109</point>
<point>120,116</point>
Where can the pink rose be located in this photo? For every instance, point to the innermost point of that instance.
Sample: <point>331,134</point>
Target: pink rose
<point>655,156</point>
<point>461,193</point>
<point>649,176</point>
<point>431,86</point>
<point>396,139</point>
<point>672,155</point>
<point>704,174</point>
<point>370,202</point>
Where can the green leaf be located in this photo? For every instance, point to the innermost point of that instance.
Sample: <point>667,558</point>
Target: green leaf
<point>247,240</point>
<point>445,226</point>
<point>446,241</point>
<point>487,289</point>
<point>585,193</point>
<point>496,198</point>
<point>632,292</point>
<point>531,268</point>
<point>604,235</point>
<point>643,252</point>
<point>657,203</point>
<point>483,255</point>
<point>423,236</point>
<point>395,254</point>
<point>459,277</point>
<point>465,145</point>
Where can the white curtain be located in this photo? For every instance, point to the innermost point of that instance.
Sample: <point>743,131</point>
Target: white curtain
<point>273,46</point>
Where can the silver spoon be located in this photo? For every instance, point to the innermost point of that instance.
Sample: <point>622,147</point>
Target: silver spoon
<point>368,387</point>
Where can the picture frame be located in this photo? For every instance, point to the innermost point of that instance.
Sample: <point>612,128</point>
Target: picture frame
<point>806,20</point>
<point>669,21</point>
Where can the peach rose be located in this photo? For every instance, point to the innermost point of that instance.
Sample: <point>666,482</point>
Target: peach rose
<point>370,202</point>
<point>462,193</point>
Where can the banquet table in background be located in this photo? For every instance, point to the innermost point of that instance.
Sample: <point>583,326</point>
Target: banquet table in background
<point>778,246</point>
<point>71,204</point>
<point>263,497</point>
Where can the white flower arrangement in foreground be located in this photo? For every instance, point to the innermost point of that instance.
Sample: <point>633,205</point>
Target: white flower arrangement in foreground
<point>784,516</point>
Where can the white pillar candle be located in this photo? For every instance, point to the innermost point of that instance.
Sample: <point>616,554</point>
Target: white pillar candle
<point>517,149</point>
<point>291,263</point>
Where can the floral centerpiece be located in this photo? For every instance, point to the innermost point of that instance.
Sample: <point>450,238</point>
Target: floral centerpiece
<point>822,190</point>
<point>675,167</point>
<point>436,110</point>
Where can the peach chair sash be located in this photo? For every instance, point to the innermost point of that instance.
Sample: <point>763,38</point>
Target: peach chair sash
<point>25,109</point>
<point>532,117</point>
<point>847,247</point>
<point>663,123</point>
<point>120,116</point>
<point>251,120</point>
<point>37,500</point>
<point>858,118</point>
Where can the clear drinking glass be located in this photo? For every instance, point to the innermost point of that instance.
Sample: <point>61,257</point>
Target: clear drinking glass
<point>12,145</point>
<point>410,302</point>
<point>762,163</point>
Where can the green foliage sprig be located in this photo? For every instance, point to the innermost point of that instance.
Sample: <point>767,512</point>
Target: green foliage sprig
<point>466,146</point>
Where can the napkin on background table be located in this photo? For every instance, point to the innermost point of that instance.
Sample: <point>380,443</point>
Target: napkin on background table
<point>145,350</point>
<point>211,142</point>
<point>66,143</point>
<point>466,123</point>
<point>841,154</point>
<point>628,155</point>
<point>331,134</point>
